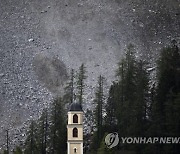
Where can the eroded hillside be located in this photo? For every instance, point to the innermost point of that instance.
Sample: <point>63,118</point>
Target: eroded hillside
<point>41,40</point>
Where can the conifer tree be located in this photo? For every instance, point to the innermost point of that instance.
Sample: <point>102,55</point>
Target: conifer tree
<point>168,85</point>
<point>130,96</point>
<point>99,101</point>
<point>68,98</point>
<point>126,92</point>
<point>31,146</point>
<point>80,83</point>
<point>57,128</point>
<point>142,98</point>
<point>111,109</point>
<point>43,132</point>
<point>166,105</point>
<point>140,123</point>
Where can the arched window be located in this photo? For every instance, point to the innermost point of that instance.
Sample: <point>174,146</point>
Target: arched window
<point>75,118</point>
<point>75,132</point>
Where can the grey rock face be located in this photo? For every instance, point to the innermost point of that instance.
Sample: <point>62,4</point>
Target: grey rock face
<point>40,40</point>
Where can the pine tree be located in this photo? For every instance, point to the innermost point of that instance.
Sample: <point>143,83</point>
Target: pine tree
<point>31,146</point>
<point>168,79</point>
<point>80,83</point>
<point>126,92</point>
<point>57,128</point>
<point>42,132</point>
<point>68,98</point>
<point>140,124</point>
<point>111,109</point>
<point>130,96</point>
<point>99,101</point>
<point>142,98</point>
<point>168,87</point>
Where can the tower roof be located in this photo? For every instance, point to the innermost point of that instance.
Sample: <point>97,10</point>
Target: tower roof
<point>75,107</point>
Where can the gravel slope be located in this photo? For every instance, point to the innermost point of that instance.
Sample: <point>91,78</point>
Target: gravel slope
<point>40,40</point>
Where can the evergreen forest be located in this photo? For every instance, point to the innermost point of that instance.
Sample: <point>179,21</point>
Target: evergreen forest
<point>143,101</point>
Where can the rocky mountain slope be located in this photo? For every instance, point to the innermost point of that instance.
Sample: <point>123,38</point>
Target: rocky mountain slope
<point>41,40</point>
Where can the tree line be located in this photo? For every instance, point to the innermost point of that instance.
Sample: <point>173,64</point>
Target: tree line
<point>48,134</point>
<point>137,105</point>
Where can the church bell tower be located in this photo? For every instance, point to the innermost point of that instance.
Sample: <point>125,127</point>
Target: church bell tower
<point>75,129</point>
